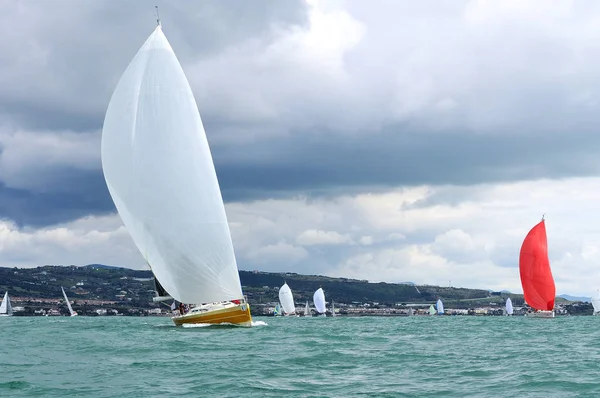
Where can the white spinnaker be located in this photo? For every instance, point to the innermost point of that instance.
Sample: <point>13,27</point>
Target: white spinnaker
<point>160,174</point>
<point>67,301</point>
<point>509,306</point>
<point>439,306</point>
<point>319,301</point>
<point>287,299</point>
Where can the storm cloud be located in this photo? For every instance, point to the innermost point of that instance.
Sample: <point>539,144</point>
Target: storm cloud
<point>313,109</point>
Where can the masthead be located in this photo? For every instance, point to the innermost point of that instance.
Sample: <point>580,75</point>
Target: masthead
<point>157,16</point>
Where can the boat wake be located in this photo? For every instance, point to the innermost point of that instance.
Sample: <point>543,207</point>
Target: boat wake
<point>259,323</point>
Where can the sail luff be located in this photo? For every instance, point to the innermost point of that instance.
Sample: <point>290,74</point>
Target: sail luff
<point>534,266</point>
<point>159,171</point>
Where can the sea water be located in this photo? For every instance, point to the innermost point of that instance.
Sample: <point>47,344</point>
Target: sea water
<point>418,356</point>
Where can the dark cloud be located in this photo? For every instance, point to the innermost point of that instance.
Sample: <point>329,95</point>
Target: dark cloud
<point>392,158</point>
<point>454,112</point>
<point>62,59</point>
<point>81,194</point>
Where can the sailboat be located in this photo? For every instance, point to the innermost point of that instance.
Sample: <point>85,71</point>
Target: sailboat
<point>440,307</point>
<point>286,298</point>
<point>73,313</point>
<point>332,309</point>
<point>596,303</point>
<point>319,301</point>
<point>6,307</point>
<point>307,310</point>
<point>277,310</point>
<point>431,310</point>
<point>160,174</point>
<point>536,276</point>
<point>509,306</point>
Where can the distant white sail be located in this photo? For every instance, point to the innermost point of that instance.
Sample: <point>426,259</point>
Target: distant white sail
<point>73,313</point>
<point>6,307</point>
<point>509,306</point>
<point>440,307</point>
<point>596,302</point>
<point>332,309</point>
<point>319,301</point>
<point>431,310</point>
<point>307,310</point>
<point>286,298</point>
<point>161,177</point>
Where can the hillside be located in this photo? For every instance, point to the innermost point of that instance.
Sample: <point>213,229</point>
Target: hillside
<point>101,282</point>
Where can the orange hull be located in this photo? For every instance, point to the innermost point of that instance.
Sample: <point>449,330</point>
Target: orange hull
<point>236,315</point>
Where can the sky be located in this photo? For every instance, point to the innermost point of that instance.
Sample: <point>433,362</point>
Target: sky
<point>382,140</point>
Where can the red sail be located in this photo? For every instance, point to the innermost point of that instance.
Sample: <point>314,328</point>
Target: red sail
<point>536,276</point>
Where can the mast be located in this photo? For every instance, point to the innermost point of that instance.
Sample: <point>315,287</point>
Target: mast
<point>157,16</point>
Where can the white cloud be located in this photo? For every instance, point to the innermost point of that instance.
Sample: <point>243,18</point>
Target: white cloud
<point>472,243</point>
<point>34,160</point>
<point>313,237</point>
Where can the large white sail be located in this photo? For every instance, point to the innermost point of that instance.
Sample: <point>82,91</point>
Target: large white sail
<point>68,303</point>
<point>287,299</point>
<point>6,307</point>
<point>160,174</point>
<point>319,301</point>
<point>440,307</point>
<point>596,302</point>
<point>509,306</point>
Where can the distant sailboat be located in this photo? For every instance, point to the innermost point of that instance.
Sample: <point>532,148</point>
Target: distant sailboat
<point>332,309</point>
<point>286,298</point>
<point>6,307</point>
<point>307,310</point>
<point>431,310</point>
<point>509,306</point>
<point>73,313</point>
<point>319,301</point>
<point>536,276</point>
<point>440,307</point>
<point>160,174</point>
<point>277,310</point>
<point>596,303</point>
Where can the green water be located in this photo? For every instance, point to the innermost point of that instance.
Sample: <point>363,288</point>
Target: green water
<point>301,357</point>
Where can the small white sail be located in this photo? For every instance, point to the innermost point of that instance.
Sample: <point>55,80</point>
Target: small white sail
<point>319,301</point>
<point>440,307</point>
<point>509,306</point>
<point>596,302</point>
<point>307,310</point>
<point>286,298</point>
<point>431,310</point>
<point>332,309</point>
<point>73,313</point>
<point>160,174</point>
<point>6,307</point>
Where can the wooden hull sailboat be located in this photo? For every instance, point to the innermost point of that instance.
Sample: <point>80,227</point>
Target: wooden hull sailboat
<point>217,313</point>
<point>160,174</point>
<point>536,276</point>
